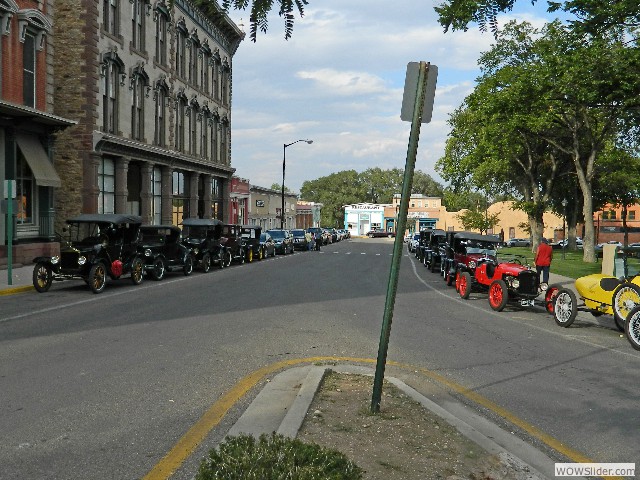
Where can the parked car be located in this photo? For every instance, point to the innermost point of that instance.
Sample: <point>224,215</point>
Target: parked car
<point>267,245</point>
<point>163,251</point>
<point>251,242</point>
<point>231,239</point>
<point>283,241</point>
<point>378,233</point>
<point>318,234</point>
<point>431,255</point>
<point>202,237</point>
<point>414,242</point>
<point>94,247</point>
<point>600,294</point>
<point>300,241</point>
<point>518,242</point>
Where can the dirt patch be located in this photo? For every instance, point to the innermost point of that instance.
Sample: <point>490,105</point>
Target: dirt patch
<point>404,441</point>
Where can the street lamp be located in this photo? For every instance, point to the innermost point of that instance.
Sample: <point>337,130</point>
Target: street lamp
<point>284,163</point>
<point>564,223</point>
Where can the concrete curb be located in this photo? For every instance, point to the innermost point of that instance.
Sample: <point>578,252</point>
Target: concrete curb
<point>13,290</point>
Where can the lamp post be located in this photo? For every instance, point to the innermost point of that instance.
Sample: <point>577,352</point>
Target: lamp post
<point>284,163</point>
<point>564,223</point>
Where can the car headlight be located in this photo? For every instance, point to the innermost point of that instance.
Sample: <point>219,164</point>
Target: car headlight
<point>55,259</point>
<point>515,283</point>
<point>82,260</point>
<point>544,287</point>
<point>472,264</point>
<point>147,252</point>
<point>195,251</point>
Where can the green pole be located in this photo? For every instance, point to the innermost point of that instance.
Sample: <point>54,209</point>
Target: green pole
<point>10,232</point>
<point>397,244</point>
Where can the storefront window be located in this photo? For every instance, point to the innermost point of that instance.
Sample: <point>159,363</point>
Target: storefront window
<point>107,186</point>
<point>24,191</point>
<point>180,204</point>
<point>216,198</point>
<point>156,196</point>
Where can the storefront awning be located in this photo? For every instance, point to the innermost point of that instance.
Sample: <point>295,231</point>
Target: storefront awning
<point>38,161</point>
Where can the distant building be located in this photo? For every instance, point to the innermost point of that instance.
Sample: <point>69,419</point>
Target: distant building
<point>239,200</point>
<point>308,214</point>
<point>360,218</point>
<point>265,208</point>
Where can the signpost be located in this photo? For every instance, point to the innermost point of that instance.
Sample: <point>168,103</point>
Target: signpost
<point>417,107</point>
<point>9,186</point>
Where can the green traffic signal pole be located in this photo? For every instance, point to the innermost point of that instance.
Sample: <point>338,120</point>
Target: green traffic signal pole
<point>397,245</point>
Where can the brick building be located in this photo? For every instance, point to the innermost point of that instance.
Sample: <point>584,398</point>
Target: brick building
<point>28,128</point>
<point>239,201</point>
<point>150,85</point>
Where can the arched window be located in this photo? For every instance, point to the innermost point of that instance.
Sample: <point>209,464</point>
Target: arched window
<point>138,24</point>
<point>160,98</point>
<point>192,118</point>
<point>215,75</point>
<point>224,141</point>
<point>193,45</point>
<point>214,125</point>
<point>161,16</point>
<point>111,16</point>
<point>139,83</point>
<point>205,131</point>
<point>112,72</point>
<point>181,112</point>
<point>181,48</point>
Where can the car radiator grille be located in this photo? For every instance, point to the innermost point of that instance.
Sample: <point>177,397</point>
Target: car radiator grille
<point>69,260</point>
<point>528,283</point>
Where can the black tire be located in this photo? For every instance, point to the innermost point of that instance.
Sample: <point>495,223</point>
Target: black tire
<point>221,259</point>
<point>187,269</point>
<point>206,263</point>
<point>565,307</point>
<point>227,258</point>
<point>632,328</point>
<point>625,298</point>
<point>159,269</point>
<point>432,265</point>
<point>450,278</point>
<point>241,256</point>
<point>42,277</point>
<point>464,285</point>
<point>97,277</point>
<point>498,295</point>
<point>137,271</point>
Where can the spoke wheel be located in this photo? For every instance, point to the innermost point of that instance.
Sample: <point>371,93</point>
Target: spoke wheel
<point>42,277</point>
<point>549,298</point>
<point>498,295</point>
<point>206,263</point>
<point>625,298</point>
<point>464,285</point>
<point>97,278</point>
<point>565,307</point>
<point>159,269</point>
<point>250,255</point>
<point>188,265</point>
<point>227,258</point>
<point>137,271</point>
<point>632,328</point>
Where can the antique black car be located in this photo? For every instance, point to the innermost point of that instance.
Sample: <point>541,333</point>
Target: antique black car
<point>231,239</point>
<point>163,251</point>
<point>423,240</point>
<point>94,247</point>
<point>202,237</point>
<point>431,253</point>
<point>251,242</point>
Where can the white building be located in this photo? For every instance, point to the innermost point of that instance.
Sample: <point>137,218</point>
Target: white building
<point>360,218</point>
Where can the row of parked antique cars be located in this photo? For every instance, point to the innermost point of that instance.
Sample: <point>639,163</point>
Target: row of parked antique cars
<point>95,247</point>
<point>470,262</point>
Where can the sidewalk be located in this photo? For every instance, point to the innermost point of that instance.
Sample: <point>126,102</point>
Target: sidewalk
<point>21,279</point>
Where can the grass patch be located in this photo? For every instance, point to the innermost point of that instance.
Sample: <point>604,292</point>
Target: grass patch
<point>275,457</point>
<point>571,266</point>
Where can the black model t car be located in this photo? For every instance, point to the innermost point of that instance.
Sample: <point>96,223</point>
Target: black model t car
<point>251,242</point>
<point>202,237</point>
<point>431,253</point>
<point>163,251</point>
<point>231,239</point>
<point>423,240</point>
<point>94,247</point>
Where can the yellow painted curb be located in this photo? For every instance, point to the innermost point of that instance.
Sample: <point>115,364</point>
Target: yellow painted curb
<point>13,290</point>
<point>212,417</point>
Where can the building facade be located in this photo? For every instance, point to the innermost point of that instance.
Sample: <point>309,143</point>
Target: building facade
<point>308,214</point>
<point>150,84</point>
<point>265,208</point>
<point>239,201</point>
<point>28,128</point>
<point>360,218</point>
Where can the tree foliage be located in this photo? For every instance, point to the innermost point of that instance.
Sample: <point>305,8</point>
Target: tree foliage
<point>259,10</point>
<point>374,185</point>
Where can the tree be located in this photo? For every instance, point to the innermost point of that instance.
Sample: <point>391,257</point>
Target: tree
<point>478,220</point>
<point>261,8</point>
<point>278,187</point>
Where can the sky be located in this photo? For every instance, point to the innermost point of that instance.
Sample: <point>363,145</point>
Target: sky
<point>339,82</point>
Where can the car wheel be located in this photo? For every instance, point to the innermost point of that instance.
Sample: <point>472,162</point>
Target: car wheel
<point>97,277</point>
<point>432,266</point>
<point>632,328</point>
<point>227,258</point>
<point>565,307</point>
<point>550,297</point>
<point>188,266</point>
<point>159,269</point>
<point>273,253</point>
<point>250,255</point>
<point>450,278</point>
<point>498,295</point>
<point>464,285</point>
<point>241,254</point>
<point>42,277</point>
<point>625,298</point>
<point>206,263</point>
<point>137,271</point>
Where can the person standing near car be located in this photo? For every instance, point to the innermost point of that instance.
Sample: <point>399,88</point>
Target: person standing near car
<point>544,255</point>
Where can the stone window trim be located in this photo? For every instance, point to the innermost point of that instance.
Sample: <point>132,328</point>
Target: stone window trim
<point>34,20</point>
<point>160,8</point>
<point>8,8</point>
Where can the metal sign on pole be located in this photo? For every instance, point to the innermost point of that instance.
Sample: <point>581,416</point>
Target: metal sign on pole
<point>419,93</point>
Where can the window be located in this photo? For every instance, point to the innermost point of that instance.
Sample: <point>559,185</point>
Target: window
<point>156,196</point>
<point>223,142</point>
<point>216,198</point>
<point>25,191</point>
<point>29,70</point>
<point>110,97</point>
<point>111,14</point>
<point>192,141</point>
<point>160,97</point>
<point>215,78</point>
<point>181,50</point>
<point>137,15</point>
<point>225,86</point>
<point>612,214</point>
<point>180,114</point>
<point>213,127</point>
<point>204,70</point>
<point>161,37</point>
<point>204,135</point>
<point>137,108</point>
<point>180,203</point>
<point>106,185</point>
<point>631,215</point>
<point>194,49</point>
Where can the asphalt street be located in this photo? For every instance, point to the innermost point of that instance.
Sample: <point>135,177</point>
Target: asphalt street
<point>102,386</point>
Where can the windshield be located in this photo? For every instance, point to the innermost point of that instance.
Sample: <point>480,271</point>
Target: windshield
<point>298,233</point>
<point>263,237</point>
<point>195,232</point>
<point>85,232</point>
<point>485,248</point>
<point>277,234</point>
